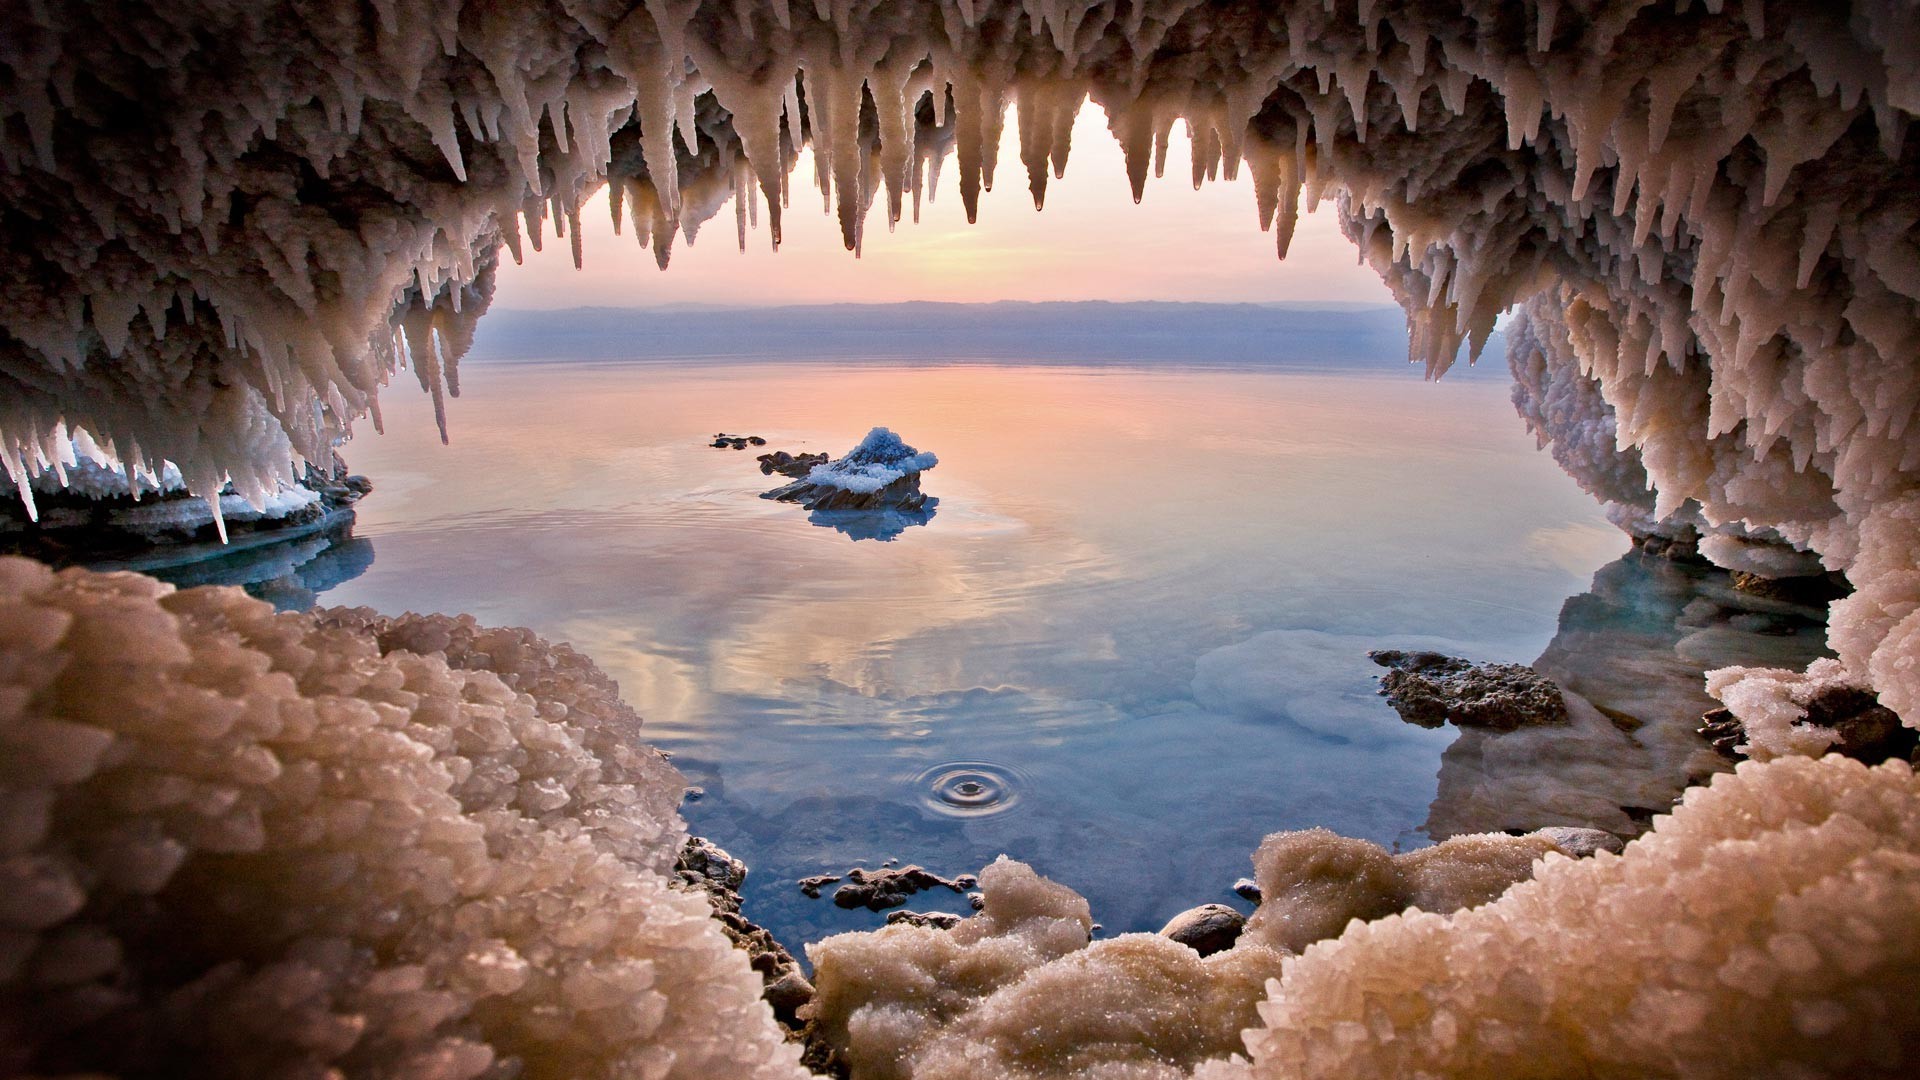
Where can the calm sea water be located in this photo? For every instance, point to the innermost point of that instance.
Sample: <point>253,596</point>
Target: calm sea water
<point>1130,641</point>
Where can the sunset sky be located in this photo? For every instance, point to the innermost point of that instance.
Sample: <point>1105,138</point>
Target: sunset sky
<point>1091,243</point>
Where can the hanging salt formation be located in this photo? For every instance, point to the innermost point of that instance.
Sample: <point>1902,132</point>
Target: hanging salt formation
<point>229,224</point>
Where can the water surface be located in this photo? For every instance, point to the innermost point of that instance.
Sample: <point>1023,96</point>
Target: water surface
<point>1130,641</point>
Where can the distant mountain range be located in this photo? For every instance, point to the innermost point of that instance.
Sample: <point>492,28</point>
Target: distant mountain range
<point>1302,335</point>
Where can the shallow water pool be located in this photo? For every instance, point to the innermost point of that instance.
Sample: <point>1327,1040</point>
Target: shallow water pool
<point>1130,640</point>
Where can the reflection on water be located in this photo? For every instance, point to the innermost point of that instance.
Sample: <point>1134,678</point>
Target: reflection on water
<point>1630,656</point>
<point>1131,643</point>
<point>872,524</point>
<point>289,572</point>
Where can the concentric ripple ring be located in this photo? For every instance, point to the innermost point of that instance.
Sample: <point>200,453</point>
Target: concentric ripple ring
<point>969,789</point>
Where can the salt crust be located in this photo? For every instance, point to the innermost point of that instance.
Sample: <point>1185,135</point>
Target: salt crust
<point>1018,992</point>
<point>235,843</point>
<point>1764,929</point>
<point>248,844</point>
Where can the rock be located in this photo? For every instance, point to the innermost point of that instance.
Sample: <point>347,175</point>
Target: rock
<point>878,890</point>
<point>977,901</point>
<point>939,920</point>
<point>1816,590</point>
<point>723,441</point>
<point>1580,843</point>
<point>1429,689</point>
<point>97,522</point>
<point>706,867</point>
<point>1869,731</point>
<point>1207,929</point>
<point>1723,732</point>
<point>1246,889</point>
<point>788,464</point>
<point>882,473</point>
<point>811,886</point>
<point>787,994</point>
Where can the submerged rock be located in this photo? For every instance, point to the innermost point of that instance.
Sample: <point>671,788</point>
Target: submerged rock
<point>878,890</point>
<point>723,441</point>
<point>882,473</point>
<point>1430,689</point>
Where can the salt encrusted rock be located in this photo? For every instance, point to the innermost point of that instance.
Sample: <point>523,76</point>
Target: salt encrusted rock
<point>1580,843</point>
<point>1018,991</point>
<point>1207,929</point>
<point>1809,715</point>
<point>1247,889</point>
<point>938,920</point>
<point>1430,689</point>
<point>244,843</point>
<point>96,519</point>
<point>882,473</point>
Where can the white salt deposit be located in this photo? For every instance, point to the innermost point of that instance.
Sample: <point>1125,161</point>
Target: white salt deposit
<point>1765,929</point>
<point>881,459</point>
<point>291,844</point>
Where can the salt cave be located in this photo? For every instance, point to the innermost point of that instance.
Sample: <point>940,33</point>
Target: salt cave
<point>244,844</point>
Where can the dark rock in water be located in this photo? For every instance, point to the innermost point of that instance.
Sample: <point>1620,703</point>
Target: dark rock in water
<point>939,920</point>
<point>724,441</point>
<point>882,473</point>
<point>1207,929</point>
<point>786,464</point>
<point>1581,843</point>
<point>977,901</point>
<point>1430,689</point>
<point>878,890</point>
<point>811,886</point>
<point>902,494</point>
<point>706,868</point>
<point>1869,731</point>
<point>1246,889</point>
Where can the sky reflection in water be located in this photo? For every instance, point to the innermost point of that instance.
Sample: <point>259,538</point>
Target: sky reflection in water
<point>1138,621</point>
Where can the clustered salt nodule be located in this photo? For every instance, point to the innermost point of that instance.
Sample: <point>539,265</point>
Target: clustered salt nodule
<point>1764,928</point>
<point>242,843</point>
